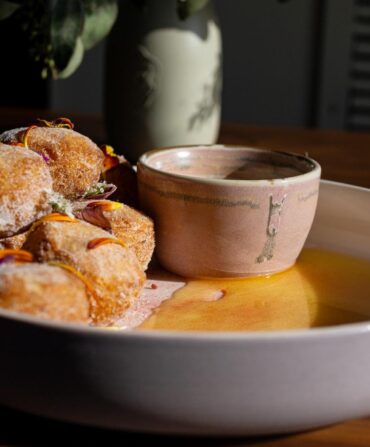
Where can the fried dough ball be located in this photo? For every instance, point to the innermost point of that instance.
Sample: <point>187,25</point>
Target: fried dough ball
<point>44,291</point>
<point>14,242</point>
<point>75,162</point>
<point>25,188</point>
<point>125,223</point>
<point>114,273</point>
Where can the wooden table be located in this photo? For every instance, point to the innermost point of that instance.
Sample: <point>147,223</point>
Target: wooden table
<point>344,157</point>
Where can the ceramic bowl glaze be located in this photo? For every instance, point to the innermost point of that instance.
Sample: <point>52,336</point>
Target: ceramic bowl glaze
<point>228,211</point>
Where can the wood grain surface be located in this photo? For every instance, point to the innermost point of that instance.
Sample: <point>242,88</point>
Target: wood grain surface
<point>343,156</point>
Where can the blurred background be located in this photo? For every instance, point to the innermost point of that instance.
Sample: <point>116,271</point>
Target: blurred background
<point>303,63</point>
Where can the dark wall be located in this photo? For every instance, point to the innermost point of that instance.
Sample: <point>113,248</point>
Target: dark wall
<point>269,58</point>
<point>84,90</point>
<point>270,67</point>
<point>21,83</point>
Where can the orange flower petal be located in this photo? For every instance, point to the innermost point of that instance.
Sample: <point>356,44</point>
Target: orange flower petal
<point>22,137</point>
<point>108,150</point>
<point>77,273</point>
<point>94,243</point>
<point>94,213</point>
<point>43,123</point>
<point>16,256</point>
<point>54,217</point>
<point>57,217</point>
<point>104,205</point>
<point>61,122</point>
<point>110,157</point>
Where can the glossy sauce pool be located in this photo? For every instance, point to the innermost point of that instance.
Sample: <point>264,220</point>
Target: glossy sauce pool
<point>322,289</point>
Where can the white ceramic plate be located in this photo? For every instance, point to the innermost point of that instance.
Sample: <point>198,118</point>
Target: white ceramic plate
<point>215,383</point>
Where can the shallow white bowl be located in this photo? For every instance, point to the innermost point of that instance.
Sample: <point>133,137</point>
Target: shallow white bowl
<point>215,383</point>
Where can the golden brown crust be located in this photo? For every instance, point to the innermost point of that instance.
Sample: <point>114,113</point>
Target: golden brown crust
<point>75,162</point>
<point>14,242</point>
<point>44,291</point>
<point>129,225</point>
<point>25,188</point>
<point>135,229</point>
<point>113,270</point>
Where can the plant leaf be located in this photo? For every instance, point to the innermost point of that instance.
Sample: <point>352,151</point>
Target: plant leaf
<point>100,16</point>
<point>186,8</point>
<point>73,63</point>
<point>7,9</point>
<point>67,22</point>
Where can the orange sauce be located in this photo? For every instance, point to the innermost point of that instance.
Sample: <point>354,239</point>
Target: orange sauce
<point>322,289</point>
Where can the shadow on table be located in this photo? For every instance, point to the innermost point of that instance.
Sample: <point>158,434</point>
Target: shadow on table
<point>21,429</point>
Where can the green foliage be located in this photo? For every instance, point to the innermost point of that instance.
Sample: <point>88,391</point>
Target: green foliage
<point>7,8</point>
<point>74,61</point>
<point>66,25</point>
<point>100,16</point>
<point>60,31</point>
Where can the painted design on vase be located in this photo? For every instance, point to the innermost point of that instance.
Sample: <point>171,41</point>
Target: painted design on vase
<point>148,77</point>
<point>272,229</point>
<point>210,100</point>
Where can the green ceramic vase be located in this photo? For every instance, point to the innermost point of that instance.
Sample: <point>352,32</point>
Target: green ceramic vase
<point>163,77</point>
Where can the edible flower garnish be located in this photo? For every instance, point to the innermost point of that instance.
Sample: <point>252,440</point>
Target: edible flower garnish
<point>60,204</point>
<point>102,241</point>
<point>64,123</point>
<point>53,217</point>
<point>45,157</point>
<point>93,213</point>
<point>77,273</point>
<point>17,256</point>
<point>111,159</point>
<point>105,205</point>
<point>57,217</point>
<point>100,190</point>
<point>22,137</point>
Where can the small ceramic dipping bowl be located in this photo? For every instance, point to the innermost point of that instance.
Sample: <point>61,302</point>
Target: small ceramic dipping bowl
<point>228,211</point>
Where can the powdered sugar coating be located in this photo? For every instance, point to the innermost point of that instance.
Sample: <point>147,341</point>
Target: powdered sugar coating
<point>14,242</point>
<point>75,162</point>
<point>113,271</point>
<point>129,225</point>
<point>11,136</point>
<point>45,291</point>
<point>25,187</point>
